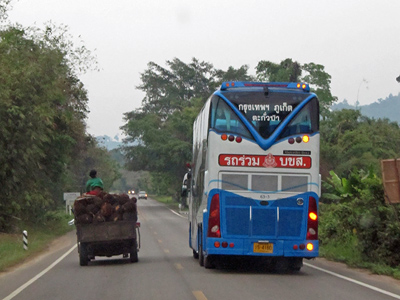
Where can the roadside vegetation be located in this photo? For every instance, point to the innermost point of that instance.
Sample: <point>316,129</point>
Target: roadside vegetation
<point>39,237</point>
<point>44,148</point>
<point>357,226</point>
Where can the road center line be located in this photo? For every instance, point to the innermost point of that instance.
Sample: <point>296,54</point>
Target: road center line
<point>178,266</point>
<point>199,295</point>
<point>355,281</point>
<point>24,286</point>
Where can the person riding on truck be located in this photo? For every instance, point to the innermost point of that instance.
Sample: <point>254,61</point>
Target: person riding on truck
<point>94,185</point>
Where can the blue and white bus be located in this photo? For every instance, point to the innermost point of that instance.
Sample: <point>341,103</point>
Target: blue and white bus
<point>255,181</point>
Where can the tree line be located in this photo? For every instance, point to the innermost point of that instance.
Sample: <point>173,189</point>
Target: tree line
<point>44,147</point>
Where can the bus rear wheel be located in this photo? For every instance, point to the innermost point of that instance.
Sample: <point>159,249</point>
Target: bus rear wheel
<point>209,262</point>
<point>201,255</point>
<point>295,264</point>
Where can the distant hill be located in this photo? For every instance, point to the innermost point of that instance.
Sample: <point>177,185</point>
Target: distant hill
<point>387,108</point>
<point>108,142</point>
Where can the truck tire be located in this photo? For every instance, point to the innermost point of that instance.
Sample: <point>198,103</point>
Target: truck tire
<point>83,255</point>
<point>133,254</point>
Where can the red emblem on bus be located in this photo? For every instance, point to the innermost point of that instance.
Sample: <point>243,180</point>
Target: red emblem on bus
<point>266,161</point>
<point>269,161</point>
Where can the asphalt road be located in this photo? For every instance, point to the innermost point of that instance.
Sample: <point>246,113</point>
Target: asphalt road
<point>166,270</point>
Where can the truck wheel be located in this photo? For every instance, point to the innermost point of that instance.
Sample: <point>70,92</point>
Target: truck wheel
<point>133,255</point>
<point>83,255</point>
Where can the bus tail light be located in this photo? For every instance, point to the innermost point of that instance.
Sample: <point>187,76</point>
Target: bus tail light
<point>312,222</point>
<point>214,218</point>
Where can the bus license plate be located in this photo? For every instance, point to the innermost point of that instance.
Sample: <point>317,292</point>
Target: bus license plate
<point>263,248</point>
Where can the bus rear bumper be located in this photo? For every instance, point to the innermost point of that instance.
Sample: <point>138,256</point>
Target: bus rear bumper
<point>295,248</point>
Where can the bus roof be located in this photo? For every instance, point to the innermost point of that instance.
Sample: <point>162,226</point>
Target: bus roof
<point>287,85</point>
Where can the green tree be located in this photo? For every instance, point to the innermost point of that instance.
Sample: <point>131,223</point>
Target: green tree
<point>4,7</point>
<point>350,140</point>
<point>43,106</point>
<point>161,130</point>
<point>286,71</point>
<point>91,156</point>
<point>292,71</point>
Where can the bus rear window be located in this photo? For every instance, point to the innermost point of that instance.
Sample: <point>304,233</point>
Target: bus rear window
<point>265,113</point>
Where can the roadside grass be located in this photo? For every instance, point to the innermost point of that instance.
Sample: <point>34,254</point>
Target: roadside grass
<point>342,251</point>
<point>348,252</point>
<point>164,199</point>
<point>53,225</point>
<point>168,201</point>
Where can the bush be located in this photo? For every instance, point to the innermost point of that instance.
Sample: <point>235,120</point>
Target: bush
<point>365,215</point>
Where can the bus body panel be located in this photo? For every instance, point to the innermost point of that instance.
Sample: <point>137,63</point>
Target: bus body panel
<point>263,194</point>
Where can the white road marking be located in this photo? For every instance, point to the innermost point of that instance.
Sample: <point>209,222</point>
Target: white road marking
<point>185,217</point>
<point>24,286</point>
<point>355,281</point>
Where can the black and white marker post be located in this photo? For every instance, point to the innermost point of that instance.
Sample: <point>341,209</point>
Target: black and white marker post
<point>25,238</point>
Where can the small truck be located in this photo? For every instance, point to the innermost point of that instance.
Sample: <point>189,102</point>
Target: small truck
<point>115,234</point>
<point>108,239</point>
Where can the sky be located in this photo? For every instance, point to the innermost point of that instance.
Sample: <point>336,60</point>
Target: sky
<point>357,41</point>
